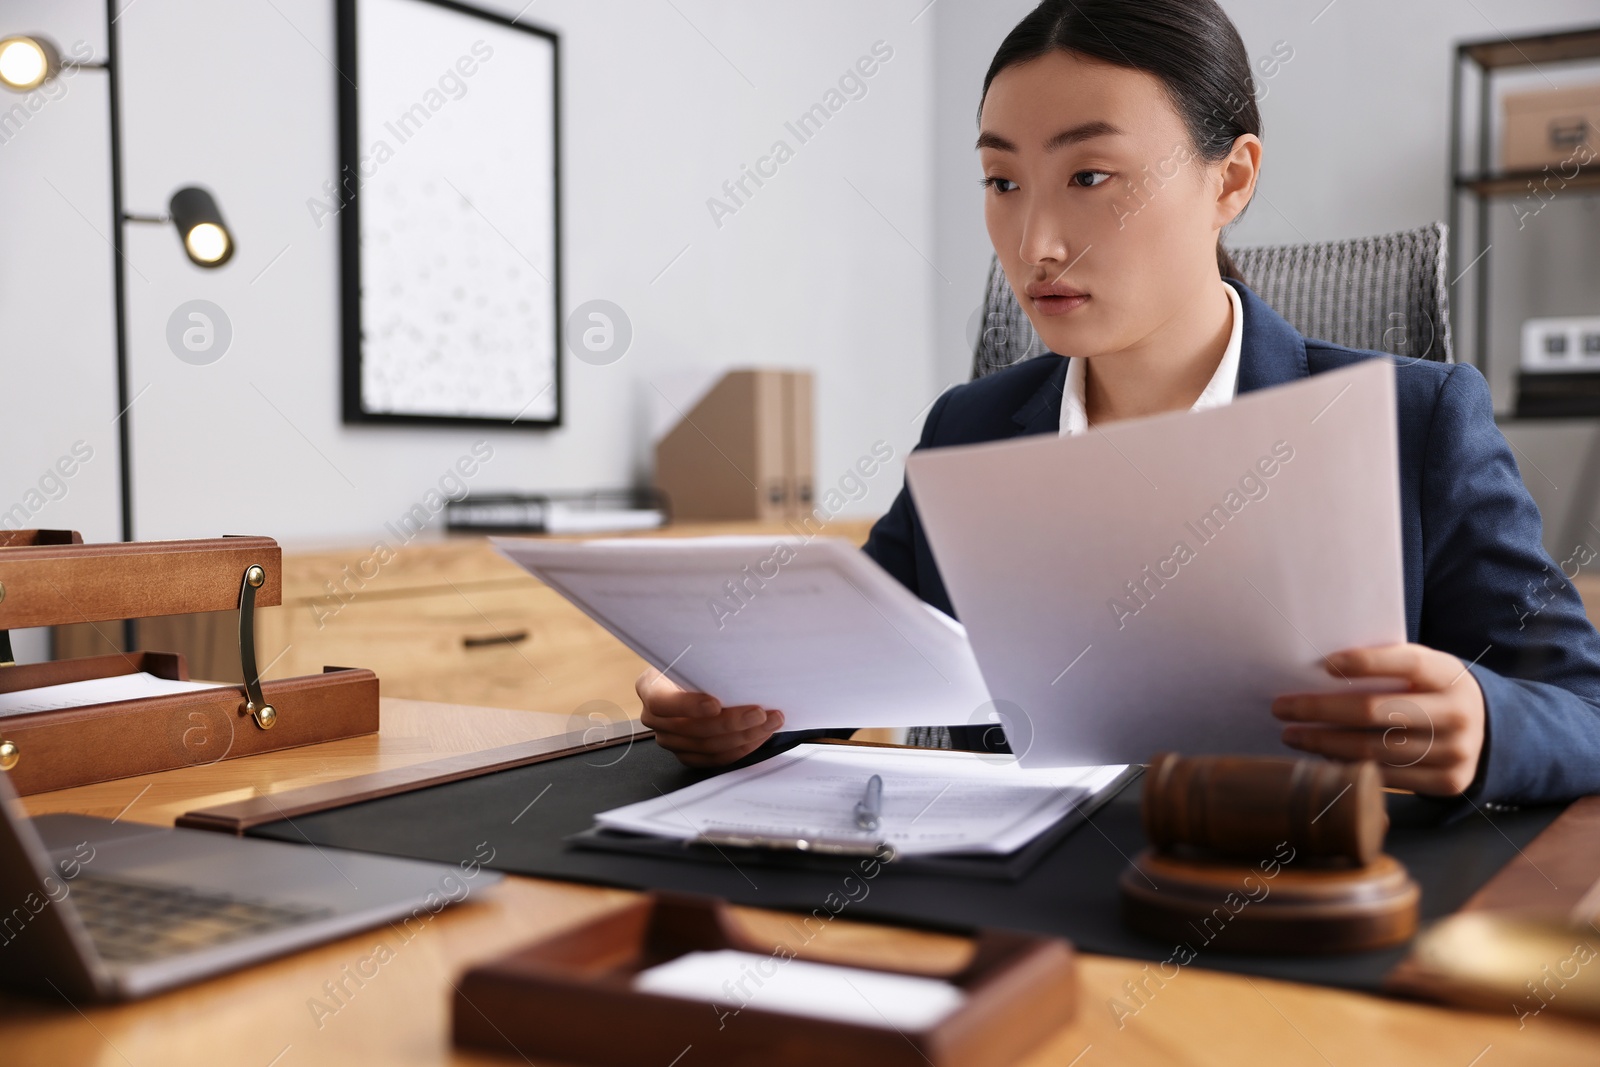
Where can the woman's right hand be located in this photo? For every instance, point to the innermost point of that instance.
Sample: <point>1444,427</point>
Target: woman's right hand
<point>696,728</point>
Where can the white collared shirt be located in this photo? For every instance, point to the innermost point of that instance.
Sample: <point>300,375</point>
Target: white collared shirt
<point>1219,391</point>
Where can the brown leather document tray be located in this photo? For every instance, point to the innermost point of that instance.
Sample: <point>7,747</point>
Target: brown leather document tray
<point>570,999</point>
<point>50,577</point>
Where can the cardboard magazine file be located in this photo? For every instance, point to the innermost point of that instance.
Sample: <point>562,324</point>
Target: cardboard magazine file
<point>50,577</point>
<point>570,998</point>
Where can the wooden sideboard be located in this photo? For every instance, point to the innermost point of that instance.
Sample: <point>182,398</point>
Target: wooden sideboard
<point>447,620</point>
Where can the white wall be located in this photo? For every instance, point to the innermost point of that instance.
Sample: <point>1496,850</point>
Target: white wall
<point>661,104</point>
<point>1357,142</point>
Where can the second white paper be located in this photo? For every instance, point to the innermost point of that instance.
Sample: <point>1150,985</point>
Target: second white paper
<point>811,627</point>
<point>1154,585</point>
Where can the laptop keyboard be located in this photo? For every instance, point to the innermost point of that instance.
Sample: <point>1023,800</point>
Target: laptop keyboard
<point>132,922</point>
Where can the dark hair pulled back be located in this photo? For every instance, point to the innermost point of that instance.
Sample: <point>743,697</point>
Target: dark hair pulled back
<point>1191,46</point>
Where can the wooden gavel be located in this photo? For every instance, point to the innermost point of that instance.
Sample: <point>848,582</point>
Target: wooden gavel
<point>1219,825</point>
<point>1231,807</point>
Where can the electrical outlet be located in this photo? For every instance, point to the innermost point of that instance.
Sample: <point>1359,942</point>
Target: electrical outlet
<point>1561,344</point>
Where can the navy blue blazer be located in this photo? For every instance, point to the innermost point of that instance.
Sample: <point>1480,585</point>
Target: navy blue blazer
<point>1478,582</point>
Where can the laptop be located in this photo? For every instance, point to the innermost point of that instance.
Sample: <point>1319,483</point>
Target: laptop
<point>95,909</point>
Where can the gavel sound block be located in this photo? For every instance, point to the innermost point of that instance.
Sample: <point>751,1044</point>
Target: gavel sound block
<point>1267,855</point>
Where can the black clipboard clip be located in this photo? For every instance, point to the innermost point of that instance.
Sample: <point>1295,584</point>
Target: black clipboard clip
<point>816,844</point>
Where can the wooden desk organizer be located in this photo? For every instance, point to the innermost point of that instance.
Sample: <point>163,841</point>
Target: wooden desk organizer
<point>50,577</point>
<point>1267,856</point>
<point>570,999</point>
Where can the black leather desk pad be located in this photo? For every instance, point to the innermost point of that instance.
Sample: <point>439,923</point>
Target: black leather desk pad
<point>525,815</point>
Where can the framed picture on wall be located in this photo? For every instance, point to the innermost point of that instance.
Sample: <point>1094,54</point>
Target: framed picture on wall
<point>448,203</point>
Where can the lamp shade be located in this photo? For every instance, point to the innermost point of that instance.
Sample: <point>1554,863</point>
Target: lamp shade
<point>205,236</point>
<point>27,62</point>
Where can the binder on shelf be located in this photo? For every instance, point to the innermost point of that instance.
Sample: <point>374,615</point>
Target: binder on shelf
<point>743,451</point>
<point>601,511</point>
<point>78,721</point>
<point>799,433</point>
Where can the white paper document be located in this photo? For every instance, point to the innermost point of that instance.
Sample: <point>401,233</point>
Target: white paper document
<point>1155,584</point>
<point>813,627</point>
<point>738,980</point>
<point>934,801</point>
<point>134,686</point>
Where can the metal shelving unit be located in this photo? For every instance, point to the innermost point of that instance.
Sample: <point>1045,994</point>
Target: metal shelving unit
<point>1483,184</point>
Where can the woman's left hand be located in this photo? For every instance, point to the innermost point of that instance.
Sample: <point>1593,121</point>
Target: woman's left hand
<point>1427,739</point>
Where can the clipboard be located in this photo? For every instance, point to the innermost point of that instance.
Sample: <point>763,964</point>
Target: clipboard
<point>805,854</point>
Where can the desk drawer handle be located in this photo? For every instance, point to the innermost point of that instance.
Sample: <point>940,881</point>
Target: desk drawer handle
<point>515,637</point>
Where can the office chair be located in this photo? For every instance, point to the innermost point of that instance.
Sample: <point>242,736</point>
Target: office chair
<point>1386,293</point>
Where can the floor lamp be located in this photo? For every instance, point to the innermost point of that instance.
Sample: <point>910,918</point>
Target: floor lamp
<point>28,61</point>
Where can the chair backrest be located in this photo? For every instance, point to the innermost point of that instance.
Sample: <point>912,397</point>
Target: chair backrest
<point>1386,293</point>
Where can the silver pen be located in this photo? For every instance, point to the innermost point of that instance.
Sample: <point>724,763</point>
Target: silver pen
<point>870,808</point>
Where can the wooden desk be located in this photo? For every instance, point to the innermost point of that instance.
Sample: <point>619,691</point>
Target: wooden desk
<point>264,1017</point>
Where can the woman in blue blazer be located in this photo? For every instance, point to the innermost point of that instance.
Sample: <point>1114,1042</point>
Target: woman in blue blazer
<point>1118,139</point>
